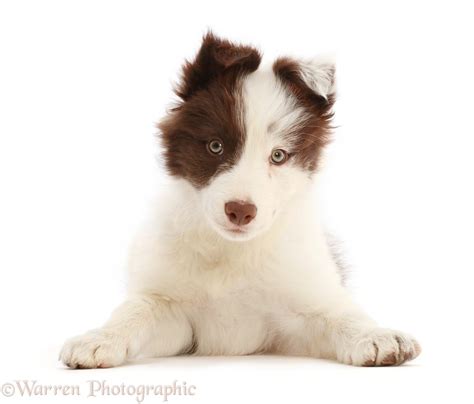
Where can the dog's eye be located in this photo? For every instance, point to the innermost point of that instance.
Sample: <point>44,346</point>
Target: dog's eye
<point>278,157</point>
<point>215,147</point>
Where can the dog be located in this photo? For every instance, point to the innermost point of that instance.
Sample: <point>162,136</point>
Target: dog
<point>235,261</point>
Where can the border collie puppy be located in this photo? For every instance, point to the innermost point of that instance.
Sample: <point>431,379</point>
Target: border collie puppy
<point>235,261</point>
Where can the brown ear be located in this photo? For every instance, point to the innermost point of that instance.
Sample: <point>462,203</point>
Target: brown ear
<point>311,81</point>
<point>216,57</point>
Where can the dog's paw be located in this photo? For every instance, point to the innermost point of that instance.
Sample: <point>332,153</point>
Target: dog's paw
<point>94,349</point>
<point>382,347</point>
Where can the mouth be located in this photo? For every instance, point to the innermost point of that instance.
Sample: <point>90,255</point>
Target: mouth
<point>237,231</point>
<point>234,232</point>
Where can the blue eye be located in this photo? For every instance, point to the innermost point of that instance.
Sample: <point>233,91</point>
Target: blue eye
<point>278,157</point>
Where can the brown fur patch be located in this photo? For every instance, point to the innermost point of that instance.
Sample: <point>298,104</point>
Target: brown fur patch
<point>211,109</point>
<point>314,134</point>
<point>369,363</point>
<point>216,57</point>
<point>389,360</point>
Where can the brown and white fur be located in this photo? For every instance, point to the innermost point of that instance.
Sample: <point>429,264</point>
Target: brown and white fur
<point>235,260</point>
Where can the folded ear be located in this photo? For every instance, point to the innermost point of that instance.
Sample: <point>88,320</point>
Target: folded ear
<point>312,80</point>
<point>215,58</point>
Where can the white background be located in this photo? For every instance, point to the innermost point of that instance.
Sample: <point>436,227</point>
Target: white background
<point>82,84</point>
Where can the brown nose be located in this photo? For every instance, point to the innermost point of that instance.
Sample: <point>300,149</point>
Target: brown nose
<point>240,213</point>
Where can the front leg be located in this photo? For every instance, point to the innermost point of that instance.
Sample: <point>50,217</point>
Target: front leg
<point>352,338</point>
<point>143,324</point>
<point>344,332</point>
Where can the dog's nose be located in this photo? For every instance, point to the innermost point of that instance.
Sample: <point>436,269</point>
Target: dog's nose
<point>240,213</point>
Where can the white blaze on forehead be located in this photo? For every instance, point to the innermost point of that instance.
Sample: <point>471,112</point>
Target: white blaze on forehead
<point>271,113</point>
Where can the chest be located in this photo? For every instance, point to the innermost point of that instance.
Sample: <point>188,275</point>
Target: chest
<point>231,320</point>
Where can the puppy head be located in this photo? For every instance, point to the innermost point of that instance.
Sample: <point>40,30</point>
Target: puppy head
<point>247,139</point>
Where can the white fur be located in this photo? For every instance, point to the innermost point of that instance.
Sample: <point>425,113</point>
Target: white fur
<point>275,288</point>
<point>318,74</point>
